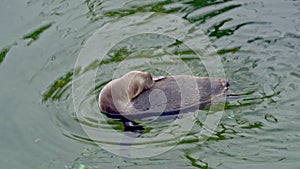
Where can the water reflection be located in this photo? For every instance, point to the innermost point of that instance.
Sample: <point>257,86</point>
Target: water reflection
<point>202,18</point>
<point>36,34</point>
<point>3,54</point>
<point>59,88</point>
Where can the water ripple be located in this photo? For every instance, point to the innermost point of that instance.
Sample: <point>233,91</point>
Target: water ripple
<point>258,55</point>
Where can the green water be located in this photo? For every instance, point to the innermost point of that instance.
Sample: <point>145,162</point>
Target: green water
<point>257,42</point>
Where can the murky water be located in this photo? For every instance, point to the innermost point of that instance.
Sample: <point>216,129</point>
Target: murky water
<point>51,77</point>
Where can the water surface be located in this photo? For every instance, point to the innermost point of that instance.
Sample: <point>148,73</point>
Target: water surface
<point>256,41</point>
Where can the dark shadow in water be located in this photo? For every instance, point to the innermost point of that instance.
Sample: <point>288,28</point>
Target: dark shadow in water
<point>36,33</point>
<point>59,87</point>
<point>3,53</point>
<point>197,162</point>
<point>151,7</point>
<point>230,50</point>
<point>200,3</point>
<point>203,18</point>
<point>161,7</point>
<point>216,31</point>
